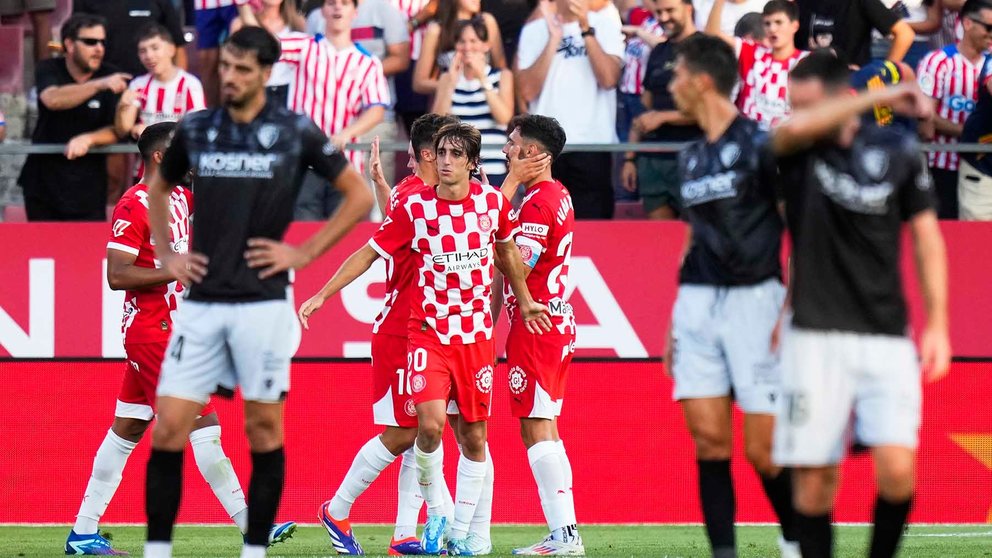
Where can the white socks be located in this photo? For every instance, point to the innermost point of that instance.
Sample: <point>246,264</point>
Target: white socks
<point>471,478</point>
<point>549,464</point>
<point>410,500</point>
<point>217,470</point>
<point>108,469</point>
<point>368,463</point>
<point>158,549</point>
<point>251,551</point>
<point>483,518</point>
<point>430,476</point>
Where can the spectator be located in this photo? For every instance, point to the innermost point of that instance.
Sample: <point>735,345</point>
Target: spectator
<point>510,17</point>
<point>751,27</point>
<point>125,19</point>
<point>439,42</point>
<point>77,98</point>
<point>213,19</point>
<point>924,18</point>
<point>164,93</point>
<point>846,25</point>
<point>656,174</point>
<point>950,26</point>
<point>642,36</point>
<point>975,172</point>
<point>410,105</point>
<point>478,94</point>
<point>280,18</point>
<point>569,65</point>
<point>40,12</point>
<point>763,95</point>
<point>951,77</point>
<point>732,13</point>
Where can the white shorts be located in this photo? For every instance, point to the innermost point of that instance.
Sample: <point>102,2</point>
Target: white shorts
<point>217,346</point>
<point>722,344</point>
<point>830,378</point>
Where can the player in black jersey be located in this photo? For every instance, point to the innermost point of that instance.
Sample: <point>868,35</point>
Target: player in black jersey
<point>730,291</point>
<point>238,328</point>
<point>849,187</point>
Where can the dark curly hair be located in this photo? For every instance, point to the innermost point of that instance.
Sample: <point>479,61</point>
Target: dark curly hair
<point>543,130</point>
<point>462,135</point>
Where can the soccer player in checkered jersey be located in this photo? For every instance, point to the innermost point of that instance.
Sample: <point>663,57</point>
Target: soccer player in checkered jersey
<point>951,77</point>
<point>455,231</point>
<point>730,292</point>
<point>847,360</point>
<point>151,297</point>
<point>393,406</point>
<point>764,70</point>
<point>237,327</point>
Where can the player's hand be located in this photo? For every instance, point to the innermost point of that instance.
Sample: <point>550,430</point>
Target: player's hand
<point>273,256</point>
<point>187,268</point>
<point>375,163</point>
<point>528,168</point>
<point>116,83</point>
<point>78,146</point>
<point>628,176</point>
<point>308,308</point>
<point>935,352</point>
<point>537,318</point>
<point>911,101</point>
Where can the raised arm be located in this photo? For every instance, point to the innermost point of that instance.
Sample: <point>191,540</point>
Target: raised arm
<point>714,21</point>
<point>531,77</point>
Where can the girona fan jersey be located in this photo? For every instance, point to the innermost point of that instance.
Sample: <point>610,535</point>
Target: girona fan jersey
<point>764,93</point>
<point>546,223</point>
<point>148,312</point>
<point>168,101</point>
<point>400,272</point>
<point>213,4</point>
<point>452,244</point>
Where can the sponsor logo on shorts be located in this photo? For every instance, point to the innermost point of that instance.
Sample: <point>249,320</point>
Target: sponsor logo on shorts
<point>410,408</point>
<point>518,380</point>
<point>419,382</point>
<point>484,379</point>
<point>485,223</point>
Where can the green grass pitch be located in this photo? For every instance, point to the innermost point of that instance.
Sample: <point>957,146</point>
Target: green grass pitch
<point>655,541</point>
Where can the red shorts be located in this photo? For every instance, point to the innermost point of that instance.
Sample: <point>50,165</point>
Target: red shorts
<point>538,367</point>
<point>141,369</point>
<point>463,373</point>
<point>393,403</point>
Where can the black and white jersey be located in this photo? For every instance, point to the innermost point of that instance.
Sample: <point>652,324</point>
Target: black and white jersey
<point>845,209</point>
<point>246,178</point>
<point>729,199</point>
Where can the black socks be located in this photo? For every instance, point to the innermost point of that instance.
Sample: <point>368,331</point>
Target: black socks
<point>890,519</point>
<point>716,492</point>
<point>268,473</point>
<point>163,486</point>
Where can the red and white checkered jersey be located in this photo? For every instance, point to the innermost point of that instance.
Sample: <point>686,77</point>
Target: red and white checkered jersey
<point>401,269</point>
<point>148,312</point>
<point>334,86</point>
<point>212,4</point>
<point>168,101</point>
<point>410,8</point>
<point>952,80</point>
<point>764,92</point>
<point>635,57</point>
<point>546,224</point>
<point>453,244</point>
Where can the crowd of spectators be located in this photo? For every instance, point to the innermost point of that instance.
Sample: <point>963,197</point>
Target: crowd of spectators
<point>366,68</point>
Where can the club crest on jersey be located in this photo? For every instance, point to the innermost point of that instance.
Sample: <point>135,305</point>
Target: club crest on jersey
<point>517,380</point>
<point>212,134</point>
<point>729,154</point>
<point>875,162</point>
<point>484,379</point>
<point>119,226</point>
<point>418,383</point>
<point>485,223</point>
<point>267,135</point>
<point>692,163</point>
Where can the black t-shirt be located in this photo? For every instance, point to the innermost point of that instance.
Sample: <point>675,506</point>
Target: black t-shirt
<point>510,16</point>
<point>79,185</point>
<point>728,197</point>
<point>125,18</point>
<point>659,71</point>
<point>845,209</point>
<point>978,126</point>
<point>844,25</point>
<point>246,178</point>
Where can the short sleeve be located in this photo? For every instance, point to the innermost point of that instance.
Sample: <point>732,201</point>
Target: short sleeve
<point>879,16</point>
<point>745,51</point>
<point>916,193</point>
<point>294,49</point>
<point>197,98</point>
<point>507,226</point>
<point>175,161</point>
<point>533,38</point>
<point>320,154</point>
<point>130,227</point>
<point>535,222</point>
<point>375,88</point>
<point>395,234</point>
<point>608,31</point>
<point>47,75</point>
<point>649,73</point>
<point>930,74</point>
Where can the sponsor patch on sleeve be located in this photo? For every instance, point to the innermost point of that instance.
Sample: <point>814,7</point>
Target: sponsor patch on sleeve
<point>534,229</point>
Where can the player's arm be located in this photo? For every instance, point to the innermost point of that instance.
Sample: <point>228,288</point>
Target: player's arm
<point>382,189</point>
<point>122,274</point>
<point>713,23</point>
<point>931,266</point>
<point>496,304</point>
<point>357,263</point>
<point>511,265</point>
<point>521,171</point>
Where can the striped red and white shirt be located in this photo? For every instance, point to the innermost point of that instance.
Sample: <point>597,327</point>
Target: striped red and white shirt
<point>333,87</point>
<point>764,92</point>
<point>635,57</point>
<point>953,81</point>
<point>214,4</point>
<point>411,8</point>
<point>168,101</point>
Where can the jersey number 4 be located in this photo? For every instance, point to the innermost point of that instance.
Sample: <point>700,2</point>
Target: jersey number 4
<point>177,349</point>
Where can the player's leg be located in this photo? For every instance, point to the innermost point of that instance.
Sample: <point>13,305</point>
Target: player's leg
<point>708,420</point>
<point>895,474</point>
<point>216,468</point>
<point>815,489</point>
<point>479,540</point>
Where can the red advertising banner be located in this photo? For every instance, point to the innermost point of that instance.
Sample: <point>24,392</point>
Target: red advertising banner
<point>54,300</point>
<point>632,458</point>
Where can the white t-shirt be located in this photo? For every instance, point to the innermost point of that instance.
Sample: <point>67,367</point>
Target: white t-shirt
<point>570,94</point>
<point>732,13</point>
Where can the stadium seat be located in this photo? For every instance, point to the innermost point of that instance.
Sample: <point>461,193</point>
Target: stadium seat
<point>15,214</point>
<point>12,61</point>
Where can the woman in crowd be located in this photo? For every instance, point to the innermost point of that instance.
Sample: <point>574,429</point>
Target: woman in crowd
<point>282,19</point>
<point>439,42</point>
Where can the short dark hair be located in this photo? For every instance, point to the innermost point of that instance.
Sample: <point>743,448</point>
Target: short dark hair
<point>70,29</point>
<point>155,138</point>
<point>477,24</point>
<point>424,128</point>
<point>703,54</point>
<point>825,66</point>
<point>152,30</point>
<point>541,129</point>
<point>257,40</point>
<point>972,7</point>
<point>787,7</point>
<point>465,135</point>
<point>752,25</point>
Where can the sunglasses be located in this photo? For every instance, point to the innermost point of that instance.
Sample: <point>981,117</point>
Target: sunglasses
<point>89,41</point>
<point>986,26</point>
